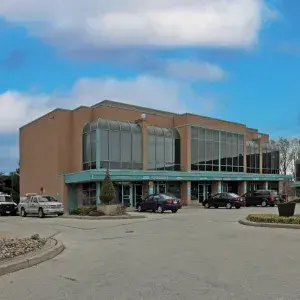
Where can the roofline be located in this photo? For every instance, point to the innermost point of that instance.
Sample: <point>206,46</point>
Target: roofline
<point>41,117</point>
<point>142,109</point>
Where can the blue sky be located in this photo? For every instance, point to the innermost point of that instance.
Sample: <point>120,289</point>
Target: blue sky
<point>237,60</point>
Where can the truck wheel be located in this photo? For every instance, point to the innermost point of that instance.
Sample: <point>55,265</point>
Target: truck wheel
<point>41,213</point>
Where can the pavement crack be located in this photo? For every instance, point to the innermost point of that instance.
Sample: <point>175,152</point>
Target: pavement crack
<point>69,278</point>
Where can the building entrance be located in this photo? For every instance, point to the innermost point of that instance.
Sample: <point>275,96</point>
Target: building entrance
<point>204,191</point>
<point>160,188</point>
<point>129,193</point>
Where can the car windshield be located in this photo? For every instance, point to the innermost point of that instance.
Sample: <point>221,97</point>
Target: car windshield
<point>233,195</point>
<point>166,197</point>
<point>47,199</point>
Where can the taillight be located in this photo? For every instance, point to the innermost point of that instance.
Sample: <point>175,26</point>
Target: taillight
<point>169,201</point>
<point>271,198</point>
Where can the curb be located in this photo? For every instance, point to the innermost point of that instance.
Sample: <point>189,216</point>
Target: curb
<point>270,225</point>
<point>103,217</point>
<point>30,261</point>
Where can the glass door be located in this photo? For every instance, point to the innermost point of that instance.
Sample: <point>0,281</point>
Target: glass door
<point>204,192</point>
<point>225,187</point>
<point>201,193</point>
<point>160,188</point>
<point>127,195</point>
<point>137,193</point>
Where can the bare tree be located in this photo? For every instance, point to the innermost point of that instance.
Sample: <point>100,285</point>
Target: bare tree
<point>294,154</point>
<point>284,146</point>
<point>289,150</point>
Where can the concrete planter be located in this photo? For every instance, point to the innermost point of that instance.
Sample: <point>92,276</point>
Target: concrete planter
<point>286,209</point>
<point>110,210</point>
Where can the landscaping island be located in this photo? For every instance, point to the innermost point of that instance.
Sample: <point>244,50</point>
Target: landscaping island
<point>14,247</point>
<point>273,219</point>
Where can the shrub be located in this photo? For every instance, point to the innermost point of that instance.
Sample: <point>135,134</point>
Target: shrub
<point>108,192</point>
<point>96,214</point>
<point>272,218</point>
<point>83,211</point>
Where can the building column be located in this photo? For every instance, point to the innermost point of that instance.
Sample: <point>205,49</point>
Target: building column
<point>62,194</point>
<point>242,188</point>
<point>98,191</point>
<point>144,126</point>
<point>266,185</point>
<point>216,187</point>
<point>186,192</point>
<point>185,148</point>
<point>151,187</point>
<point>72,203</point>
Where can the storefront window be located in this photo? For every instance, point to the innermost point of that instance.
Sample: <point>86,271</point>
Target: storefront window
<point>270,158</point>
<point>252,157</point>
<point>163,149</point>
<point>213,150</point>
<point>120,145</point>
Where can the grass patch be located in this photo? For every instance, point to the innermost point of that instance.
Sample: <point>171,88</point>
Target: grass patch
<point>273,218</point>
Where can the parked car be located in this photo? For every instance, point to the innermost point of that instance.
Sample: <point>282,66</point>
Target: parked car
<point>262,197</point>
<point>159,203</point>
<point>7,205</point>
<point>40,205</point>
<point>227,200</point>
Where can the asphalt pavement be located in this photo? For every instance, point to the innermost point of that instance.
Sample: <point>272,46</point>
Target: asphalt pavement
<point>194,254</point>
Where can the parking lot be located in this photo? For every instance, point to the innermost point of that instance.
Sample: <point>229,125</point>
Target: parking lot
<point>194,254</point>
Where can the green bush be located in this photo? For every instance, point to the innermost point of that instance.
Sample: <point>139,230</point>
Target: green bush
<point>83,211</point>
<point>108,192</point>
<point>272,218</point>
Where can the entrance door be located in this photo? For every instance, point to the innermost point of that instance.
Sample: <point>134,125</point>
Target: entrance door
<point>204,191</point>
<point>127,195</point>
<point>225,187</point>
<point>137,193</point>
<point>201,192</point>
<point>160,188</point>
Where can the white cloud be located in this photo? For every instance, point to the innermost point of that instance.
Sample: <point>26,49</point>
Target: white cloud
<point>18,108</point>
<point>102,24</point>
<point>193,70</point>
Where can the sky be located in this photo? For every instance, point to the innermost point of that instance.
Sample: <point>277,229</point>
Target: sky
<point>237,60</point>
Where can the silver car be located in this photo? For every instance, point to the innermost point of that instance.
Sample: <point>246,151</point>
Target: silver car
<point>40,205</point>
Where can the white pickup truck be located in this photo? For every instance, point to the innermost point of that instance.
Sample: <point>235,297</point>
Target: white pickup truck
<point>40,205</point>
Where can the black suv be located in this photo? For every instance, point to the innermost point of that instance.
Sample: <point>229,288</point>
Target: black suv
<point>261,197</point>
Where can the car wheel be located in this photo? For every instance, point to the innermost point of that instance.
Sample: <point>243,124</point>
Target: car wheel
<point>41,213</point>
<point>174,211</point>
<point>139,209</point>
<point>23,213</point>
<point>228,205</point>
<point>264,203</point>
<point>160,209</point>
<point>237,206</point>
<point>206,205</point>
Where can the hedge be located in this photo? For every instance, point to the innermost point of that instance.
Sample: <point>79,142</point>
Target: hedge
<point>273,218</point>
<point>83,211</point>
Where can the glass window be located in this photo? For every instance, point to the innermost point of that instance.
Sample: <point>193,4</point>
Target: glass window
<point>194,132</point>
<point>126,143</point>
<point>93,145</point>
<point>163,149</point>
<point>104,145</point>
<point>137,148</point>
